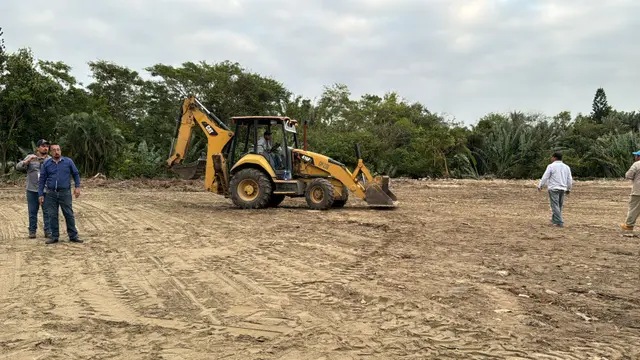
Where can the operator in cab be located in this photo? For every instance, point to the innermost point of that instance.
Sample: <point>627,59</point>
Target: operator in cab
<point>264,148</point>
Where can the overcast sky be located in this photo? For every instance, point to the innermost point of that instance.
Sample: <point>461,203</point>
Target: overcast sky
<point>464,58</point>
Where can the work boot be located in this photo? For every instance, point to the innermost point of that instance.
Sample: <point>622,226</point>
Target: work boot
<point>47,235</point>
<point>626,227</point>
<point>32,235</point>
<point>51,241</point>
<point>76,240</point>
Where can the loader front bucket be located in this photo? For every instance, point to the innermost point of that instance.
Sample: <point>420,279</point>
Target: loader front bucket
<point>378,194</point>
<point>190,171</point>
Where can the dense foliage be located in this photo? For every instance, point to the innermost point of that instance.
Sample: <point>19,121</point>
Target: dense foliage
<point>122,125</point>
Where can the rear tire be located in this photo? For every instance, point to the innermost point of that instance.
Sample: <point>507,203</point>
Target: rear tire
<point>320,194</point>
<point>250,189</point>
<point>275,200</point>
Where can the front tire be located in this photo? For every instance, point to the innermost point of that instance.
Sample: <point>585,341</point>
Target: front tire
<point>320,194</point>
<point>250,189</point>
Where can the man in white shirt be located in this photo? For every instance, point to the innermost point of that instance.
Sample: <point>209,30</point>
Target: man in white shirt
<point>633,174</point>
<point>558,179</point>
<point>264,143</point>
<point>264,148</point>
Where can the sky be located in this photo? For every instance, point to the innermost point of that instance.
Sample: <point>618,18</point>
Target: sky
<point>460,58</point>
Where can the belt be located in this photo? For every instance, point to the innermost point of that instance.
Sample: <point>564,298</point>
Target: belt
<point>59,189</point>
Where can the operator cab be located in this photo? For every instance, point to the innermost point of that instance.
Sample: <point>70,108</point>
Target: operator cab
<point>250,129</point>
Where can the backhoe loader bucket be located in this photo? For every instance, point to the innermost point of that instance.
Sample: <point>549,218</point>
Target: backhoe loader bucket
<point>377,193</point>
<point>191,171</point>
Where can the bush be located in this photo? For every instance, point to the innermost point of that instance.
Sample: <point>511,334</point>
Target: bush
<point>140,161</point>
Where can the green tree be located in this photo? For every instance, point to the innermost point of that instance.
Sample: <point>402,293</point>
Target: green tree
<point>118,93</point>
<point>28,100</point>
<point>600,107</point>
<point>612,153</point>
<point>93,141</point>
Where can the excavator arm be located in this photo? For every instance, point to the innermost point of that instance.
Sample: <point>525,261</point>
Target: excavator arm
<point>192,114</point>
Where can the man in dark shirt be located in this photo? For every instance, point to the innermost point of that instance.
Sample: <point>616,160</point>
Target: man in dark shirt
<point>31,165</point>
<point>56,174</point>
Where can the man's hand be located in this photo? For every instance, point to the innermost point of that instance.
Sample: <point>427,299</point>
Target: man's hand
<point>539,189</point>
<point>31,157</point>
<point>76,192</point>
<point>41,199</point>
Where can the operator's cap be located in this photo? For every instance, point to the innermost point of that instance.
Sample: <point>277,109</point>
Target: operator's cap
<point>42,142</point>
<point>636,153</point>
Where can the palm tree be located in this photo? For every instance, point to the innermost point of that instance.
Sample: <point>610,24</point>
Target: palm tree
<point>92,140</point>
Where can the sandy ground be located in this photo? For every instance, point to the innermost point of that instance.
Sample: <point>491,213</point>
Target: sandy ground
<point>462,269</point>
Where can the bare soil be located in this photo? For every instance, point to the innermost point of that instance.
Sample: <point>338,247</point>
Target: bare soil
<point>461,269</point>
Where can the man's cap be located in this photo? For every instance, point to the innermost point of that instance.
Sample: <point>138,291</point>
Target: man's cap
<point>636,153</point>
<point>42,142</point>
<point>267,132</point>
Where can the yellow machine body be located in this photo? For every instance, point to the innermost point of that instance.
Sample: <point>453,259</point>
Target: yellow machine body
<point>252,181</point>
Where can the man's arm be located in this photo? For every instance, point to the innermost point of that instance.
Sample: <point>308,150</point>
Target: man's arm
<point>75,173</point>
<point>76,178</point>
<point>22,165</point>
<point>569,179</point>
<point>631,173</point>
<point>43,178</point>
<point>261,145</point>
<point>545,177</point>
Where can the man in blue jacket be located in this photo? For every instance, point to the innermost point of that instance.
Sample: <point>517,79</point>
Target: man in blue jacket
<point>56,174</point>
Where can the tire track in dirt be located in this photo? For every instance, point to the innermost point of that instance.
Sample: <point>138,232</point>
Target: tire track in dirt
<point>8,219</point>
<point>10,267</point>
<point>129,280</point>
<point>112,301</point>
<point>269,267</point>
<point>441,332</point>
<point>119,219</point>
<point>101,219</point>
<point>186,293</point>
<point>330,272</point>
<point>245,265</point>
<point>253,329</point>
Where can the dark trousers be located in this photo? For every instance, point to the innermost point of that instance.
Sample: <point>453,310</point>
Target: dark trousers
<point>62,199</point>
<point>34,206</point>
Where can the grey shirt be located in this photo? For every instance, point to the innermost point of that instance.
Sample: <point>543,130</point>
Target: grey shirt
<point>32,170</point>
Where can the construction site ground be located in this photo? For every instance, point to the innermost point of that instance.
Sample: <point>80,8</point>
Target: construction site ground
<point>461,269</point>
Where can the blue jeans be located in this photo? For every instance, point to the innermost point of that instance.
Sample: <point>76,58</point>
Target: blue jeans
<point>34,206</point>
<point>62,199</point>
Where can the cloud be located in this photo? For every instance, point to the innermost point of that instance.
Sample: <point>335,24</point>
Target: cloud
<point>462,57</point>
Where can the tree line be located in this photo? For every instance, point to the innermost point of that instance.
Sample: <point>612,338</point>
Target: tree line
<point>122,125</point>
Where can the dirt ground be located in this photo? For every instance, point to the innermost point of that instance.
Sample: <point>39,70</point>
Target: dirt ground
<point>461,269</point>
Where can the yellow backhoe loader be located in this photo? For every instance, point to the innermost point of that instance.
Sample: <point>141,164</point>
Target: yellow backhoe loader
<point>245,166</point>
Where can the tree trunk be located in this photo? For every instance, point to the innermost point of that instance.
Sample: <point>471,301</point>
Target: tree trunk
<point>4,147</point>
<point>4,158</point>
<point>446,166</point>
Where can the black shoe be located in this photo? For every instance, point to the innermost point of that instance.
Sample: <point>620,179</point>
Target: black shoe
<point>51,241</point>
<point>32,235</point>
<point>76,240</point>
<point>47,235</point>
